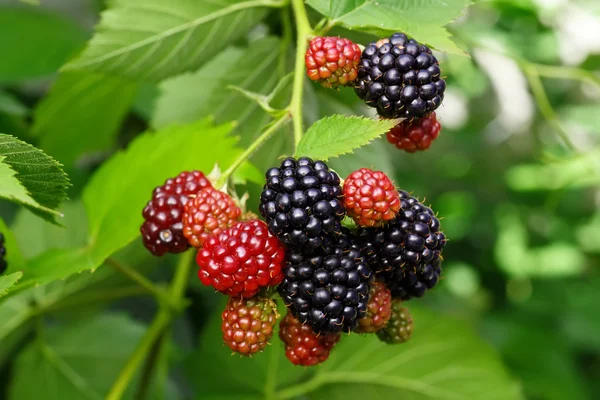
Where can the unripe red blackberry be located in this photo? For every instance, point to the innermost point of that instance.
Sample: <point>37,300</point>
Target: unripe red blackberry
<point>209,212</point>
<point>302,345</point>
<point>327,289</point>
<point>332,61</point>
<point>241,260</point>
<point>162,230</point>
<point>302,203</point>
<point>379,309</point>
<point>416,134</point>
<point>3,263</point>
<point>247,324</point>
<point>406,253</point>
<point>399,328</point>
<point>370,198</point>
<point>400,77</point>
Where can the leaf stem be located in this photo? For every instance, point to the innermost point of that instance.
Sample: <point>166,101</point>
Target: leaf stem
<point>140,279</point>
<point>253,147</point>
<point>562,72</point>
<point>304,31</point>
<point>539,93</point>
<point>160,323</point>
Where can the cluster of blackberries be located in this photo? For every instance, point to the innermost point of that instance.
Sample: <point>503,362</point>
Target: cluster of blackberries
<point>398,76</point>
<point>341,280</point>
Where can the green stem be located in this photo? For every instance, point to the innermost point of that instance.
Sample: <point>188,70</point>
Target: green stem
<point>101,295</point>
<point>160,323</point>
<point>561,72</point>
<point>252,148</point>
<point>300,388</point>
<point>138,278</point>
<point>539,93</point>
<point>304,31</point>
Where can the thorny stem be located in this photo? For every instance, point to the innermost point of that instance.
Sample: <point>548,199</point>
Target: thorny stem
<point>304,31</point>
<point>160,323</point>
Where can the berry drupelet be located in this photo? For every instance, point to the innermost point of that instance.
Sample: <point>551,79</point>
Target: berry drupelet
<point>162,230</point>
<point>400,77</point>
<point>302,202</point>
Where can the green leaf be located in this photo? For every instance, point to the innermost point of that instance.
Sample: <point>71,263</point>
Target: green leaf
<point>336,135</point>
<point>584,115</point>
<point>35,42</point>
<point>153,39</point>
<point>30,177</point>
<point>81,114</point>
<point>181,101</point>
<point>119,190</point>
<point>420,19</point>
<point>6,281</point>
<point>10,105</point>
<point>77,361</point>
<point>444,359</point>
<point>14,256</point>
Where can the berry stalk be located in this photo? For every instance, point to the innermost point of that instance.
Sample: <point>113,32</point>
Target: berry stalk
<point>304,30</point>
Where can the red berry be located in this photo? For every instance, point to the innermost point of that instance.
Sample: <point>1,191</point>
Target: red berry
<point>162,230</point>
<point>415,135</point>
<point>370,198</point>
<point>379,309</point>
<point>208,213</point>
<point>332,61</point>
<point>247,324</point>
<point>302,345</point>
<point>399,328</point>
<point>242,259</point>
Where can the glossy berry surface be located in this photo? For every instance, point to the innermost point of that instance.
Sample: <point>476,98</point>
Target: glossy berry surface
<point>327,289</point>
<point>302,345</point>
<point>241,260</point>
<point>302,202</point>
<point>379,309</point>
<point>400,78</point>
<point>406,253</point>
<point>209,212</point>
<point>332,61</point>
<point>399,328</point>
<point>247,324</point>
<point>370,198</point>
<point>3,263</point>
<point>162,230</point>
<point>415,135</point>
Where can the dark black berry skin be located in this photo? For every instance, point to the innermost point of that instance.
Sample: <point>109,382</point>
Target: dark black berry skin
<point>301,202</point>
<point>406,253</point>
<point>400,77</point>
<point>3,263</point>
<point>327,289</point>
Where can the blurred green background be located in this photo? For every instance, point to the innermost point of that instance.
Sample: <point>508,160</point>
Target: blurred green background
<point>515,173</point>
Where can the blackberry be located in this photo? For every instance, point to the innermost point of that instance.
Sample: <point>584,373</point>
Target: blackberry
<point>302,345</point>
<point>415,135</point>
<point>3,263</point>
<point>302,202</point>
<point>328,289</point>
<point>332,61</point>
<point>406,253</point>
<point>399,328</point>
<point>162,230</point>
<point>400,77</point>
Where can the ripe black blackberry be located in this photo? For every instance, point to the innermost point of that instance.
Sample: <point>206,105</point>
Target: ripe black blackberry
<point>329,288</point>
<point>301,202</point>
<point>406,253</point>
<point>400,77</point>
<point>3,263</point>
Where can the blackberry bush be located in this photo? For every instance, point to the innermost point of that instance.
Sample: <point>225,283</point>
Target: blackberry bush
<point>302,202</point>
<point>400,78</point>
